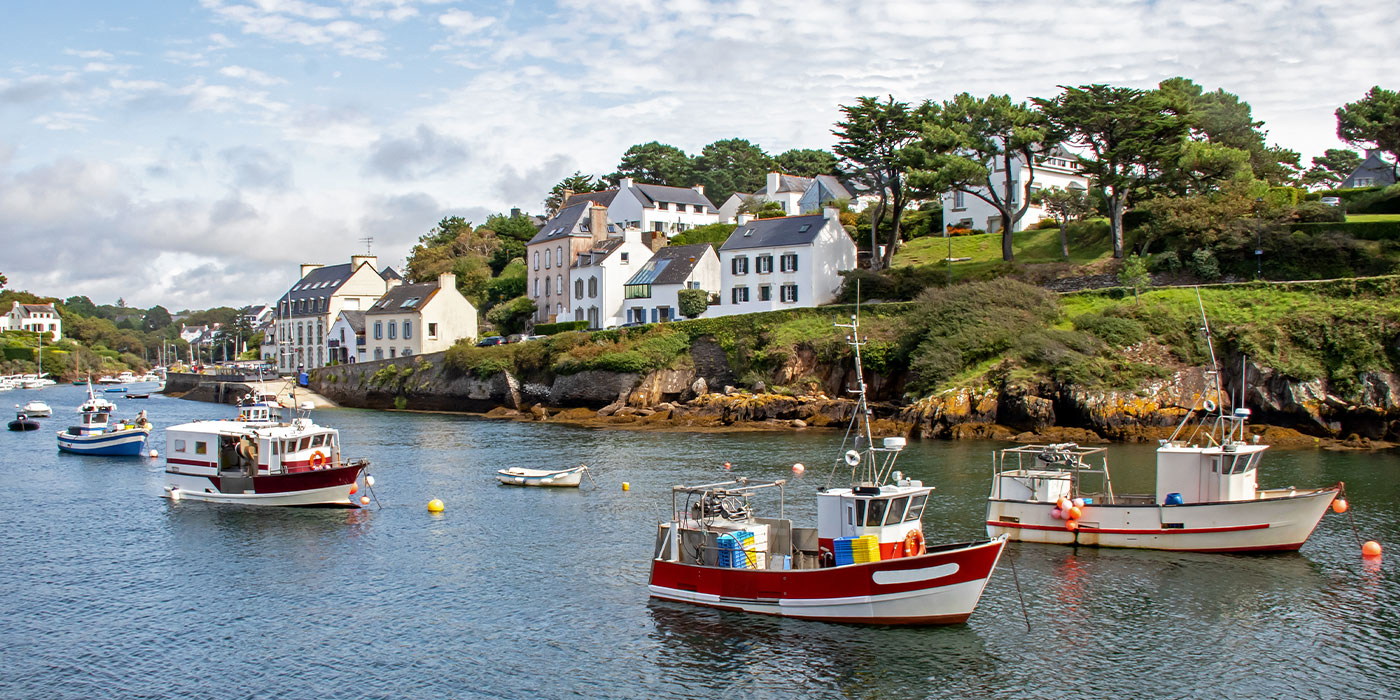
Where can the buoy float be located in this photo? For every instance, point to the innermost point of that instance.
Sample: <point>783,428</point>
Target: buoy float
<point>369,480</point>
<point>626,486</point>
<point>1075,512</point>
<point>1078,502</point>
<point>435,506</point>
<point>1056,513</point>
<point>1339,505</point>
<point>155,454</point>
<point>1072,525</point>
<point>798,469</point>
<point>726,466</point>
<point>364,501</point>
<point>1372,548</point>
<point>354,489</point>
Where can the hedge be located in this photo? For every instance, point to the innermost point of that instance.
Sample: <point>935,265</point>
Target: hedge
<point>18,353</point>
<point>560,327</point>
<point>1364,230</point>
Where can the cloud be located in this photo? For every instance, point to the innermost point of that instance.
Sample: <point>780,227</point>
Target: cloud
<point>462,22</point>
<point>257,168</point>
<point>424,153</point>
<point>251,75</point>
<point>66,121</point>
<point>90,54</point>
<point>308,24</point>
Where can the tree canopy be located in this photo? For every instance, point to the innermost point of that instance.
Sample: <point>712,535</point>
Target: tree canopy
<point>577,183</point>
<point>731,165</point>
<point>806,162</point>
<point>1373,120</point>
<point>1332,167</point>
<point>873,136</point>
<point>655,163</point>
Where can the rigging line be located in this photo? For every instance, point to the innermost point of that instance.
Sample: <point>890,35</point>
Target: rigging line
<point>1024,613</point>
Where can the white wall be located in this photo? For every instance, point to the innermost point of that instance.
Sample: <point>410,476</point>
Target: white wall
<point>817,277</point>
<point>978,211</point>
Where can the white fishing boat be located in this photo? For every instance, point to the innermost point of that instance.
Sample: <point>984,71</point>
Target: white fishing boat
<point>864,562</point>
<point>1207,495</point>
<point>256,460</point>
<point>520,476</point>
<point>37,408</point>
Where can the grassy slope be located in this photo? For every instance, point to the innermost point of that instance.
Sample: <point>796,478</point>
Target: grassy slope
<point>1029,248</point>
<point>1372,217</point>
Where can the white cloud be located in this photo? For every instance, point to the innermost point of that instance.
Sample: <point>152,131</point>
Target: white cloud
<point>251,75</point>
<point>90,54</point>
<point>66,121</point>
<point>462,22</point>
<point>293,22</point>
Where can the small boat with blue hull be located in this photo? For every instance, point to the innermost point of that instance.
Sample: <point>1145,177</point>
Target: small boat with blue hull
<point>101,433</point>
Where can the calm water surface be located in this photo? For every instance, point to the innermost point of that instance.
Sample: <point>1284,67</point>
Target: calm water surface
<point>109,591</point>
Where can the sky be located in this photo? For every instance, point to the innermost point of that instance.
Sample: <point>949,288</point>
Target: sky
<point>192,154</point>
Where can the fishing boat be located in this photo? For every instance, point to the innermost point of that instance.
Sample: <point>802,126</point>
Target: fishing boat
<point>1207,495</point>
<point>108,379</point>
<point>115,390</point>
<point>256,460</point>
<point>260,398</point>
<point>100,433</point>
<point>23,423</point>
<point>866,560</point>
<point>519,476</point>
<point>37,409</point>
<point>138,396</point>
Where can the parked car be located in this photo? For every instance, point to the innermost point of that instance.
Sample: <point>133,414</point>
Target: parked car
<point>490,340</point>
<point>534,337</point>
<point>1332,201</point>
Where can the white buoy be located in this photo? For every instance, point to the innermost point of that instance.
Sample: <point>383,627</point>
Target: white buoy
<point>154,454</point>
<point>369,480</point>
<point>174,494</point>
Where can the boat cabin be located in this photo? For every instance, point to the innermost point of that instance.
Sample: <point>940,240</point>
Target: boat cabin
<point>250,448</point>
<point>1190,474</point>
<point>888,512</point>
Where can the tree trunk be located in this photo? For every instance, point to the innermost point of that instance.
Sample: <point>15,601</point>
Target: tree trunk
<point>897,217</point>
<point>875,232</point>
<point>1064,237</point>
<point>1116,203</point>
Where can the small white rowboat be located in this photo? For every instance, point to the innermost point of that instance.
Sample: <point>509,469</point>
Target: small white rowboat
<point>519,476</point>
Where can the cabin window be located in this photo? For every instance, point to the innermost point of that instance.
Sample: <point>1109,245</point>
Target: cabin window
<point>318,440</point>
<point>276,444</point>
<point>201,448</point>
<point>896,513</point>
<point>306,443</point>
<point>916,507</point>
<point>290,447</point>
<point>860,512</point>
<point>876,513</point>
<point>179,445</point>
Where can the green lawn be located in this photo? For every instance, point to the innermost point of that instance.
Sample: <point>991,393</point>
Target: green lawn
<point>1372,217</point>
<point>1029,247</point>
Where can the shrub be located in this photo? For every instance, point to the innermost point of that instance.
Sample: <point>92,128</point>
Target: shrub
<point>693,303</point>
<point>1116,331</point>
<point>1204,264</point>
<point>560,327</point>
<point>1166,261</point>
<point>1317,212</point>
<point>1365,230</point>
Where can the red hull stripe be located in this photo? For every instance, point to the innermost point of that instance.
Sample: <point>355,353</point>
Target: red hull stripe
<point>300,481</point>
<point>188,462</point>
<point>974,563</point>
<point>1117,531</point>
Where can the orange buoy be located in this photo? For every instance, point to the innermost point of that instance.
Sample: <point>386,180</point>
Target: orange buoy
<point>1072,525</point>
<point>1339,505</point>
<point>1075,512</point>
<point>354,488</point>
<point>1372,548</point>
<point>726,466</point>
<point>364,500</point>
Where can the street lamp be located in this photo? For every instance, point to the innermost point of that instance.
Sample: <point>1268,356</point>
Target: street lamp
<point>1258,240</point>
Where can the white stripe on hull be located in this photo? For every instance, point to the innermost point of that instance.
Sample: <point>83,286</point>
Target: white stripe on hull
<point>187,488</point>
<point>106,442</point>
<point>958,599</point>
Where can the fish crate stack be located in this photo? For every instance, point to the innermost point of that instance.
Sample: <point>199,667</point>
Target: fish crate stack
<point>857,550</point>
<point>744,549</point>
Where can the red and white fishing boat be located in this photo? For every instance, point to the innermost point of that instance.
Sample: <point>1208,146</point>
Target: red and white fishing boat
<point>1207,496</point>
<point>256,460</point>
<point>864,562</point>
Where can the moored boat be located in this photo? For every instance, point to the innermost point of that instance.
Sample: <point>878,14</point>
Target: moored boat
<point>23,423</point>
<point>101,433</point>
<point>38,409</point>
<point>520,476</point>
<point>866,560</point>
<point>256,460</point>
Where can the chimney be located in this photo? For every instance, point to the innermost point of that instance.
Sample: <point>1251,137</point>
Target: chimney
<point>1372,153</point>
<point>624,183</point>
<point>598,222</point>
<point>565,199</point>
<point>773,180</point>
<point>391,283</point>
<point>832,213</point>
<point>306,268</point>
<point>447,280</point>
<point>699,189</point>
<point>657,242</point>
<point>742,219</point>
<point>357,260</point>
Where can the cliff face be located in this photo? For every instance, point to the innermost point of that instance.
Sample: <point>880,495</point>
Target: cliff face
<point>703,395</point>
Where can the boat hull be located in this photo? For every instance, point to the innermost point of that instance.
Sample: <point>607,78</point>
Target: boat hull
<point>324,487</point>
<point>568,478</point>
<point>1278,520</point>
<point>941,587</point>
<point>116,443</point>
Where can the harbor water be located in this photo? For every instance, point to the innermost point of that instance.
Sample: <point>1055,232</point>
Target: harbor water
<point>108,590</point>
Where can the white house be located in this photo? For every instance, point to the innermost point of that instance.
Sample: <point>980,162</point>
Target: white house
<point>600,272</point>
<point>412,319</point>
<point>656,208</point>
<point>796,195</point>
<point>789,262</point>
<point>38,318</point>
<point>653,293</point>
<point>346,340</point>
<point>1055,169</point>
<point>306,311</point>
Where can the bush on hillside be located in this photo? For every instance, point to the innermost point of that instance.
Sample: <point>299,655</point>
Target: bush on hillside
<point>1317,212</point>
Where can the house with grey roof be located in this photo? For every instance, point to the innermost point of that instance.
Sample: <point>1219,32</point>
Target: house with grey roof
<point>599,274</point>
<point>652,295</point>
<point>38,318</point>
<point>307,310</point>
<point>796,195</point>
<point>1374,171</point>
<point>783,263</point>
<point>413,319</point>
<point>346,340</point>
<point>653,208</point>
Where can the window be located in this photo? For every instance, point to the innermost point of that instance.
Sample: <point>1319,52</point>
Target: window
<point>578,290</point>
<point>410,302</point>
<point>1364,182</point>
<point>592,287</point>
<point>408,330</point>
<point>656,226</point>
<point>301,331</point>
<point>578,314</point>
<point>379,353</point>
<point>559,258</point>
<point>958,200</point>
<point>788,293</point>
<point>624,258</point>
<point>546,286</point>
<point>201,448</point>
<point>739,265</point>
<point>391,353</point>
<point>432,331</point>
<point>763,264</point>
<point>765,292</point>
<point>537,286</point>
<point>319,338</point>
<point>788,262</point>
<point>665,206</point>
<point>916,507</point>
<point>546,258</point>
<point>179,445</point>
<point>559,285</point>
<point>692,285</point>
<point>875,513</point>
<point>637,291</point>
<point>378,330</point>
<point>664,312</point>
<point>318,440</point>
<point>896,513</point>
<point>406,352</point>
<point>739,295</point>
<point>537,264</point>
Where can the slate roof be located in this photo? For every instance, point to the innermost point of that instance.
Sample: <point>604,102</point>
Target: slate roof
<point>788,183</point>
<point>775,233</point>
<point>394,300</point>
<point>604,198</point>
<point>389,274</point>
<point>565,223</point>
<point>1374,167</point>
<point>32,308</point>
<point>323,282</point>
<point>834,186</point>
<point>670,265</point>
<point>355,319</point>
<point>598,253</point>
<point>651,194</point>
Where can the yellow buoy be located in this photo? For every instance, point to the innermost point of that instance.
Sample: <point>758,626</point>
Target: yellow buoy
<point>435,506</point>
<point>626,486</point>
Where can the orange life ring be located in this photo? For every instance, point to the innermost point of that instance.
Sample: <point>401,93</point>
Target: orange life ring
<point>317,459</point>
<point>914,544</point>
